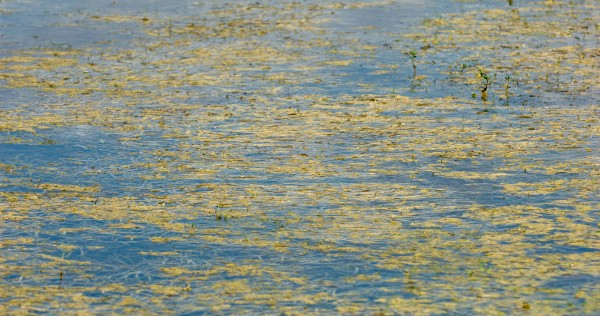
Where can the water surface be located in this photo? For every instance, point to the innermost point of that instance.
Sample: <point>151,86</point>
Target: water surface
<point>281,157</point>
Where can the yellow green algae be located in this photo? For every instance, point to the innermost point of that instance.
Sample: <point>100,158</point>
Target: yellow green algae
<point>211,165</point>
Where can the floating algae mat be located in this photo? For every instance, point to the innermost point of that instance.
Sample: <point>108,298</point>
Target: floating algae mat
<point>300,157</point>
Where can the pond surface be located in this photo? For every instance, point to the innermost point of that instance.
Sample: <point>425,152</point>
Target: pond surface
<point>312,157</point>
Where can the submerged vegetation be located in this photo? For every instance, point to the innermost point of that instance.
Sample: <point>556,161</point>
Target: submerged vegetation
<point>231,157</point>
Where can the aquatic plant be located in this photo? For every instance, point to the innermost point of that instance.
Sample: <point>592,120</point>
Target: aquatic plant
<point>506,89</point>
<point>486,82</point>
<point>413,57</point>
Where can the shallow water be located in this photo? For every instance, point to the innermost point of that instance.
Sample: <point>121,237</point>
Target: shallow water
<point>275,157</point>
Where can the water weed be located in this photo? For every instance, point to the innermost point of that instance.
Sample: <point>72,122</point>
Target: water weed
<point>486,81</point>
<point>413,57</point>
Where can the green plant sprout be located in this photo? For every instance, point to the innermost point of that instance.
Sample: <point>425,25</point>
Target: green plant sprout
<point>463,67</point>
<point>413,57</point>
<point>487,81</point>
<point>506,89</point>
